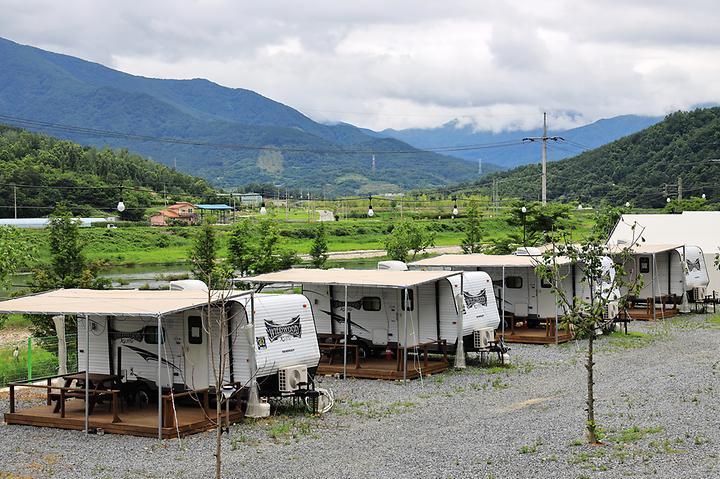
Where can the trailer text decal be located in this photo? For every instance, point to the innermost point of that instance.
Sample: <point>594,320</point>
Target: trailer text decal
<point>291,329</point>
<point>473,299</point>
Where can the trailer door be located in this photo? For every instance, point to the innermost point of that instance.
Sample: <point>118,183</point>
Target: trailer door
<point>195,343</point>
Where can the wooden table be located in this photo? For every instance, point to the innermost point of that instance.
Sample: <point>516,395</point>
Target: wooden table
<point>97,382</point>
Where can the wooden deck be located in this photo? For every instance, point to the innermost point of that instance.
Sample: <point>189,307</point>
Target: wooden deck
<point>534,336</point>
<point>376,368</point>
<point>134,422</point>
<point>645,314</point>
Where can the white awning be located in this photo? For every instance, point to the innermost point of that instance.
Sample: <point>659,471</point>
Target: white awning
<point>484,261</point>
<point>352,277</point>
<point>644,248</point>
<point>111,302</point>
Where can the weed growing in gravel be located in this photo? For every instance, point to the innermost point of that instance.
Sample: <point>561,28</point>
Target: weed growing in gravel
<point>631,340</point>
<point>530,448</point>
<point>632,434</point>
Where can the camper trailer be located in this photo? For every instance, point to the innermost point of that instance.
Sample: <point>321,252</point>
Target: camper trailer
<point>283,338</point>
<point>132,342</point>
<point>523,297</point>
<point>388,308</point>
<point>697,277</point>
<point>662,273</point>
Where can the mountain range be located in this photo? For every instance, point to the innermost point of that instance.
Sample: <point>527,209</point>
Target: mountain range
<point>644,168</point>
<point>230,136</point>
<point>574,141</point>
<point>234,137</point>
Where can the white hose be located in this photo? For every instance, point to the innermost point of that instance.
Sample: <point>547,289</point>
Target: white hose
<point>330,400</point>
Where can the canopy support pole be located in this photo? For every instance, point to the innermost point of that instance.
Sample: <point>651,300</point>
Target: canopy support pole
<point>345,332</point>
<point>87,374</point>
<point>652,278</point>
<point>160,339</point>
<point>405,341</point>
<point>502,301</point>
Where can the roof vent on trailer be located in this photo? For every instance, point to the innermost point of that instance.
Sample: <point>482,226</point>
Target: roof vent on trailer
<point>527,251</point>
<point>188,285</point>
<point>392,265</point>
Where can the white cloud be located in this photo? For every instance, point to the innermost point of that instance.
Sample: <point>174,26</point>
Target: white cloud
<point>404,63</point>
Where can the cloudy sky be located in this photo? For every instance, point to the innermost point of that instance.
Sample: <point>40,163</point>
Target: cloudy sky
<point>398,63</point>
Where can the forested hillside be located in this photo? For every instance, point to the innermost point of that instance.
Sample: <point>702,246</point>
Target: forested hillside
<point>48,170</point>
<point>230,136</point>
<point>634,168</point>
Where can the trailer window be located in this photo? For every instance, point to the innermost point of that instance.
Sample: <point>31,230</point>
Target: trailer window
<point>514,282</point>
<point>410,300</point>
<point>151,335</point>
<point>371,303</point>
<point>194,330</point>
<point>644,264</point>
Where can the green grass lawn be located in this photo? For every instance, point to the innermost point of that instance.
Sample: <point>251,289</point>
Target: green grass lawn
<point>137,245</point>
<point>44,363</point>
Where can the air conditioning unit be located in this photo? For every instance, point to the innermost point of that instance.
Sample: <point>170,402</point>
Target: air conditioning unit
<point>482,338</point>
<point>698,295</point>
<point>290,378</point>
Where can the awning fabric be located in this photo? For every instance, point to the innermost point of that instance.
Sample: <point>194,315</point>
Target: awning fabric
<point>111,302</point>
<point>484,261</point>
<point>352,277</point>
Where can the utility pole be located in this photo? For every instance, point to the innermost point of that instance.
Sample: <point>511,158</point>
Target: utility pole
<point>544,138</point>
<point>373,164</point>
<point>15,199</point>
<point>679,188</point>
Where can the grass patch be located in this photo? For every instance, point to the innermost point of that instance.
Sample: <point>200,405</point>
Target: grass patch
<point>14,321</point>
<point>632,434</point>
<point>631,340</point>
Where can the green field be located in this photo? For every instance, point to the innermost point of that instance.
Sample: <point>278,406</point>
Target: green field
<point>137,245</point>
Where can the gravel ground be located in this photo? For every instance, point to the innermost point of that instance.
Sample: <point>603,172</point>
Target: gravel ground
<point>657,402</point>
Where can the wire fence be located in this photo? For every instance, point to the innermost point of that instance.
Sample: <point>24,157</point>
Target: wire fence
<point>35,358</point>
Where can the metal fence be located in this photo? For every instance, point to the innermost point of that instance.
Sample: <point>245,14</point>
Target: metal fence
<point>35,358</point>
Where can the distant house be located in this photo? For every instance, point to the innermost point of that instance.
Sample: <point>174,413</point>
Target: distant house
<point>182,212</point>
<point>250,199</point>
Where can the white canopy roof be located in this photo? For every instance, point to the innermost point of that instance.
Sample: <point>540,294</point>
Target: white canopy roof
<point>353,277</point>
<point>110,302</point>
<point>697,228</point>
<point>484,261</point>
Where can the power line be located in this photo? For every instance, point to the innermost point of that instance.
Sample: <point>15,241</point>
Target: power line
<point>25,122</point>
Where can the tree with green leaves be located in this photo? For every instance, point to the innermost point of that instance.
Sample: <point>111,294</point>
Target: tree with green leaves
<point>319,247</point>
<point>472,242</point>
<point>203,256</point>
<point>271,253</point>
<point>406,236</point>
<point>16,252</point>
<point>694,203</point>
<point>605,219</point>
<point>242,246</point>
<point>68,268</point>
<point>539,222</point>
<point>588,315</point>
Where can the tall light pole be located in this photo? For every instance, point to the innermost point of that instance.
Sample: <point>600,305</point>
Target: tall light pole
<point>523,210</point>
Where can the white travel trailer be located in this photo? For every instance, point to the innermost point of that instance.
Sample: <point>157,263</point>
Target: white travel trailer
<point>662,272</point>
<point>283,337</point>
<point>523,296</point>
<point>697,278</point>
<point>697,228</point>
<point>386,309</point>
<point>156,340</point>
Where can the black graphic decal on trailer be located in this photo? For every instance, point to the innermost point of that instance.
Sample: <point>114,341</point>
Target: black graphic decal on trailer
<point>693,265</point>
<point>291,329</point>
<point>148,356</point>
<point>472,299</point>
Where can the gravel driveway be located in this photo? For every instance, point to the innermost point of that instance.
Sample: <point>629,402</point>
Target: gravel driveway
<point>657,402</point>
